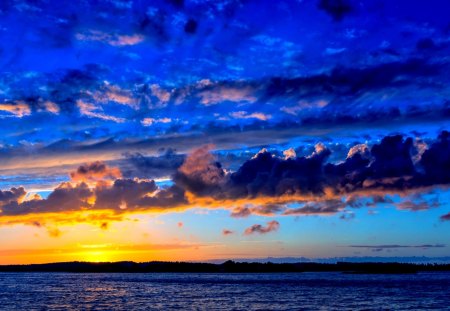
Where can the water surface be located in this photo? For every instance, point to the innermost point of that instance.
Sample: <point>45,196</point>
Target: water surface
<point>192,291</point>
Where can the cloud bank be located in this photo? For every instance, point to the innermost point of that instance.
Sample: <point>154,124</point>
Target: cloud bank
<point>266,184</point>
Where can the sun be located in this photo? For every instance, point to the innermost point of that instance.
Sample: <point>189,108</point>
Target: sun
<point>96,256</point>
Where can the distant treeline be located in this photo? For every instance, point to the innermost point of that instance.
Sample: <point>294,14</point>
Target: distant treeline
<point>226,267</point>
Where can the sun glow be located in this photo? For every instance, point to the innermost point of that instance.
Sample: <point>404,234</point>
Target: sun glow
<point>96,256</point>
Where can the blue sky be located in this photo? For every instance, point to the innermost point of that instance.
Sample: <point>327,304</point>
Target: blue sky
<point>100,98</point>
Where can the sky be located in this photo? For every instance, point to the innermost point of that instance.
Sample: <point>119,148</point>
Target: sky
<point>202,130</point>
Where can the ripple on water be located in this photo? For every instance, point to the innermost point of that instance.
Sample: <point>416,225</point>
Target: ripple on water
<point>190,291</point>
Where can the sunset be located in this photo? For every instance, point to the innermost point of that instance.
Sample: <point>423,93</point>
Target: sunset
<point>242,131</point>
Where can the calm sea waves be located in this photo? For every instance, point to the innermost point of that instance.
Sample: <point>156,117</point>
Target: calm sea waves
<point>191,291</point>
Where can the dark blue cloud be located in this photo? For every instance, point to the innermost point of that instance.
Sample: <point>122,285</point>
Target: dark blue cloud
<point>387,167</point>
<point>336,8</point>
<point>436,160</point>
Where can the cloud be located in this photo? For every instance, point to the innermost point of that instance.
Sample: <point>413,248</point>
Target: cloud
<point>64,198</point>
<point>122,196</point>
<point>445,217</point>
<point>349,82</point>
<point>200,171</point>
<point>289,153</point>
<point>266,184</point>
<point>246,115</point>
<point>12,195</point>
<point>334,51</point>
<point>319,208</point>
<point>417,206</point>
<point>151,121</point>
<point>318,99</point>
<point>267,209</point>
<point>375,199</point>
<point>162,95</point>
<point>216,93</point>
<point>268,175</point>
<point>304,105</point>
<point>164,165</point>
<point>114,93</point>
<point>51,107</point>
<point>227,232</point>
<point>347,215</point>
<point>190,26</point>
<point>387,168</point>
<point>52,219</point>
<point>270,227</point>
<point>337,9</point>
<point>392,157</point>
<point>317,95</point>
<point>54,232</point>
<point>95,171</point>
<point>394,246</point>
<point>110,38</point>
<point>93,111</point>
<point>19,108</point>
<point>241,212</point>
<point>263,209</point>
<point>362,149</point>
<point>436,160</point>
<point>420,148</point>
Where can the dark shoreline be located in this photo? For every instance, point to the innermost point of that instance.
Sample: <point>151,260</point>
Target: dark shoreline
<point>227,267</point>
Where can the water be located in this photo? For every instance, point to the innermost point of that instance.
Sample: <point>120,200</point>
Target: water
<point>192,291</point>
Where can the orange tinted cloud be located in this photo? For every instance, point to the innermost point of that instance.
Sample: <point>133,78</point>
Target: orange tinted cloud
<point>202,166</point>
<point>220,94</point>
<point>271,226</point>
<point>51,107</point>
<point>110,38</point>
<point>115,94</point>
<point>18,108</point>
<point>255,115</point>
<point>151,121</point>
<point>95,111</point>
<point>95,171</point>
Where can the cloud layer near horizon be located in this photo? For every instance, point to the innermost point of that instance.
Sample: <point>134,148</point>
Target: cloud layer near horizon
<point>265,184</point>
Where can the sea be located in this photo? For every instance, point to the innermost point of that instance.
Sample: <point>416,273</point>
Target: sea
<point>206,291</point>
